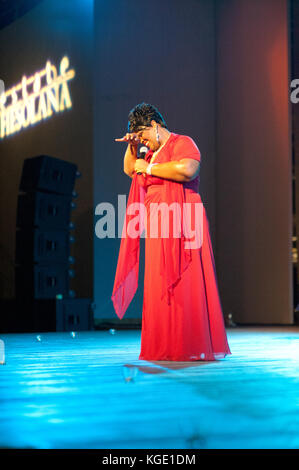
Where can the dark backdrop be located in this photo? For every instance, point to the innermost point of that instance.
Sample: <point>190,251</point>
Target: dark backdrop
<point>162,53</point>
<point>51,30</point>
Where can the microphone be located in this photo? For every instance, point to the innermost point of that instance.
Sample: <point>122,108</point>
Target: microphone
<point>142,152</point>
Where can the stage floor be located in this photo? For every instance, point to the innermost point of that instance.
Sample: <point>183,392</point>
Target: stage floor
<point>91,392</point>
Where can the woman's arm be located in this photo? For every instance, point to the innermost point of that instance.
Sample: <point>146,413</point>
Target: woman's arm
<point>179,170</point>
<point>130,159</point>
<point>131,152</point>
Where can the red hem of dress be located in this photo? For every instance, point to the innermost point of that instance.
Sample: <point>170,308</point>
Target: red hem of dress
<point>215,357</point>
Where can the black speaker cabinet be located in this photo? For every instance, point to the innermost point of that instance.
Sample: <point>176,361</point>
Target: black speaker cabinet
<point>42,246</point>
<point>42,250</point>
<point>42,282</point>
<point>42,315</point>
<point>63,315</point>
<point>49,211</point>
<point>44,173</point>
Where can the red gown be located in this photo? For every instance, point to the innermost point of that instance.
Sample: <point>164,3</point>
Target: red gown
<point>182,317</point>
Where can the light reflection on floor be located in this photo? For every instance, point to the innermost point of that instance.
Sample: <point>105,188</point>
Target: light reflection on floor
<point>90,391</point>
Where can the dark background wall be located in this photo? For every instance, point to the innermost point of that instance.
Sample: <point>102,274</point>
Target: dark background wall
<point>51,30</point>
<point>220,73</point>
<point>254,161</point>
<point>162,53</point>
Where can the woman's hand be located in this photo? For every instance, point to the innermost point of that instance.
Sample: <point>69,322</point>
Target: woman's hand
<point>140,166</point>
<point>130,138</point>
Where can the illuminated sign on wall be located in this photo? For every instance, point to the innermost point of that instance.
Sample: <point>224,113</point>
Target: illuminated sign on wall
<point>36,98</point>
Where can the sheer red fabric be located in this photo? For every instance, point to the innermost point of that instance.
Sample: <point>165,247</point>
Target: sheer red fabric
<point>182,317</point>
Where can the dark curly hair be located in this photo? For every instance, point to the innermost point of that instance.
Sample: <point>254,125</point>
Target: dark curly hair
<point>142,115</point>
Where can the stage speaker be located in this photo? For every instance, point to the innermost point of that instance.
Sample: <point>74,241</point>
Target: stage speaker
<point>50,211</point>
<point>44,173</point>
<point>63,315</point>
<point>43,238</point>
<point>41,246</point>
<point>43,315</point>
<point>36,281</point>
<point>44,298</point>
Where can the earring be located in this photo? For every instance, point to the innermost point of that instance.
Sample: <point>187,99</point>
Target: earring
<point>157,135</point>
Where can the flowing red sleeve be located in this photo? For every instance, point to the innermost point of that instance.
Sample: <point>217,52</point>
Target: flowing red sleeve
<point>126,276</point>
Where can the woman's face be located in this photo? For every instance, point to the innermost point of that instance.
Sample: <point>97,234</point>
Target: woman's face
<point>148,137</point>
